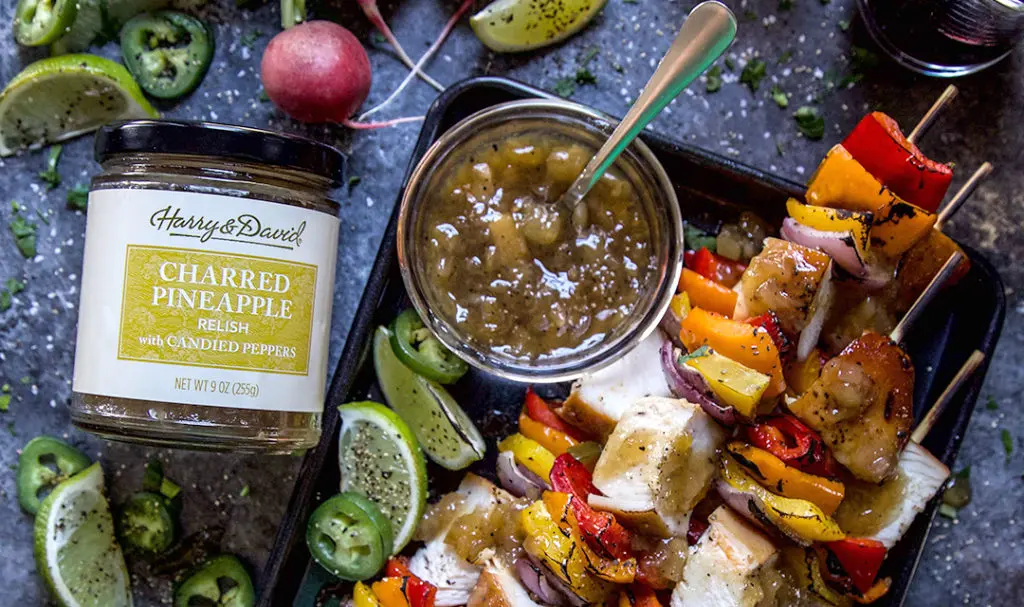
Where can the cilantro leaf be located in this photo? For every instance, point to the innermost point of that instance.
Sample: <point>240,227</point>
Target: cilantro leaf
<point>50,175</point>
<point>779,97</point>
<point>24,235</point>
<point>786,56</point>
<point>1004,435</point>
<point>78,198</point>
<point>699,352</point>
<point>250,38</point>
<point>697,239</point>
<point>844,25</point>
<point>714,83</point>
<point>5,402</point>
<point>585,76</point>
<point>730,64</point>
<point>588,56</point>
<point>991,404</point>
<point>809,122</point>
<point>565,87</point>
<point>353,181</point>
<point>753,73</point>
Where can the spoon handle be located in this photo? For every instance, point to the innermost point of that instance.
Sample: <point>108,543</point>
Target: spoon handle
<point>708,30</point>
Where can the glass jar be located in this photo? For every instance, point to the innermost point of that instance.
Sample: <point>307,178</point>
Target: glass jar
<point>207,286</point>
<point>576,126</point>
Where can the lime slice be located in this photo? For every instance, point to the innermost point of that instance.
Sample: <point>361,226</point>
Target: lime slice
<point>60,97</point>
<point>76,552</point>
<point>380,458</point>
<point>509,26</point>
<point>444,430</point>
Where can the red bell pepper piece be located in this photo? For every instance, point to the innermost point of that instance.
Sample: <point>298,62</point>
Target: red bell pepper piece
<point>600,529</point>
<point>640,595</point>
<point>861,558</point>
<point>418,592</point>
<point>540,410</point>
<point>788,439</point>
<point>696,529</point>
<point>770,322</point>
<point>880,147</point>
<point>712,266</point>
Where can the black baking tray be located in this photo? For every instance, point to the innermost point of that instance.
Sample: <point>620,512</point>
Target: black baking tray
<point>711,189</point>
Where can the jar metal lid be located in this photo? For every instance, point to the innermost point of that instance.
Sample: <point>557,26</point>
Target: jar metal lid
<point>222,141</point>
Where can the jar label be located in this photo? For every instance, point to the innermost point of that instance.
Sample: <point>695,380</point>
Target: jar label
<point>205,299</point>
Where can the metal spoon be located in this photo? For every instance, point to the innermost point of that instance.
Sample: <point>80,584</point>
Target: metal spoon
<point>708,30</point>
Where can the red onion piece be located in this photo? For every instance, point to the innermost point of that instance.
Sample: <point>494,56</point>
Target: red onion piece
<point>671,325</point>
<point>743,503</point>
<point>571,597</point>
<point>838,245</point>
<point>533,578</point>
<point>820,309</point>
<point>689,384</point>
<point>517,480</point>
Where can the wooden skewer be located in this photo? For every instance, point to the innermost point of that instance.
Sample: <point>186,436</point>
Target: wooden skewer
<point>932,113</point>
<point>962,195</point>
<point>929,419</point>
<point>926,296</point>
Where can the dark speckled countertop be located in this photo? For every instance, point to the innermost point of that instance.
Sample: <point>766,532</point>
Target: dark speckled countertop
<point>978,559</point>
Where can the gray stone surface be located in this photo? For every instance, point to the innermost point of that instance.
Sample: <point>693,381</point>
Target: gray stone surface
<point>977,560</point>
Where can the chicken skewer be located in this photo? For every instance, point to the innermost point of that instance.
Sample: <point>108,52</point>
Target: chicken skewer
<point>962,195</point>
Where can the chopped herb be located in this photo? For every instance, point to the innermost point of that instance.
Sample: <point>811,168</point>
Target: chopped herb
<point>809,122</point>
<point>948,511</point>
<point>10,429</point>
<point>588,56</point>
<point>753,73</point>
<point>5,402</point>
<point>730,64</point>
<point>697,239</point>
<point>24,236</point>
<point>714,83</point>
<point>965,473</point>
<point>779,97</point>
<point>263,97</point>
<point>377,38</point>
<point>849,80</point>
<point>565,87</point>
<point>1004,435</point>
<point>750,15</point>
<point>862,58</point>
<point>12,287</point>
<point>778,148</point>
<point>618,67</point>
<point>786,56</point>
<point>785,5</point>
<point>78,198</point>
<point>353,181</point>
<point>50,175</point>
<point>699,352</point>
<point>5,300</point>
<point>991,404</point>
<point>5,388</point>
<point>250,38</point>
<point>26,380</point>
<point>844,25</point>
<point>585,76</point>
<point>244,492</point>
<point>630,1</point>
<point>42,217</point>
<point>825,2</point>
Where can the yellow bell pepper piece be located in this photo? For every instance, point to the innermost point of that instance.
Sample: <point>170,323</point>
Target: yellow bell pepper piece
<point>841,182</point>
<point>680,305</point>
<point>800,520</point>
<point>801,375</point>
<point>529,453</point>
<point>554,441</point>
<point>557,551</point>
<point>750,346</point>
<point>735,385</point>
<point>855,223</point>
<point>775,475</point>
<point>363,596</point>
<point>390,592</point>
<point>608,569</point>
<point>899,226</point>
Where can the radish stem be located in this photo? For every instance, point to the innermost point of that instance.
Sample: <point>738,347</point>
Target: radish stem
<point>463,8</point>
<point>373,14</point>
<point>292,12</point>
<point>363,126</point>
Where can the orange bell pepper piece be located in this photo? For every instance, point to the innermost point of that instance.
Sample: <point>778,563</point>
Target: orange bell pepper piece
<point>389,592</point>
<point>773,474</point>
<point>553,440</point>
<point>638,595</point>
<point>800,375</point>
<point>841,182</point>
<point>706,293</point>
<point>747,345</point>
<point>898,226</point>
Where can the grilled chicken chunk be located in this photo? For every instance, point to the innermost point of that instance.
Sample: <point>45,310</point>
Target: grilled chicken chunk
<point>598,400</point>
<point>499,587</point>
<point>657,465</point>
<point>724,569</point>
<point>922,262</point>
<point>885,512</point>
<point>783,278</point>
<point>862,405</point>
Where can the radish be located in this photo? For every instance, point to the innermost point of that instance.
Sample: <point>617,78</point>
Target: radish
<point>318,71</point>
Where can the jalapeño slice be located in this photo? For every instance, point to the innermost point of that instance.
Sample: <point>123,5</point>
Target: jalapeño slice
<point>349,536</point>
<point>167,52</point>
<point>39,22</point>
<point>219,582</point>
<point>145,523</point>
<point>422,352</point>
<point>44,463</point>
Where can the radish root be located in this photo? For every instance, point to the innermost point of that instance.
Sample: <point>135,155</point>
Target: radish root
<point>462,10</point>
<point>365,126</point>
<point>373,14</point>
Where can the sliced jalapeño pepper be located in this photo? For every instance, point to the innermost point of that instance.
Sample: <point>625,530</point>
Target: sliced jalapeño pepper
<point>167,52</point>
<point>44,463</point>
<point>350,537</point>
<point>219,582</point>
<point>39,22</point>
<point>422,352</point>
<point>145,524</point>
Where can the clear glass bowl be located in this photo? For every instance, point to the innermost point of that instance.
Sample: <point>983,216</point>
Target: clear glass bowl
<point>590,128</point>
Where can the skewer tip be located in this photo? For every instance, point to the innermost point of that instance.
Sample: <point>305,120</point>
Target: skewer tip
<point>928,421</point>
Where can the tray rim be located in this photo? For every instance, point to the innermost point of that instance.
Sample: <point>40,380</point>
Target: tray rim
<point>359,337</point>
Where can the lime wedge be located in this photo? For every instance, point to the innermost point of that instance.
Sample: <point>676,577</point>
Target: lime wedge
<point>380,458</point>
<point>509,26</point>
<point>60,97</point>
<point>76,552</point>
<point>445,432</point>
